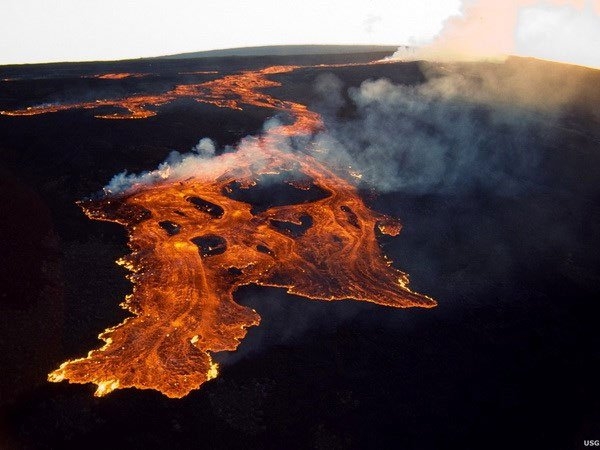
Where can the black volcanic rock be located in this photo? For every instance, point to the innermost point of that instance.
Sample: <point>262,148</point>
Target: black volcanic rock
<point>508,359</point>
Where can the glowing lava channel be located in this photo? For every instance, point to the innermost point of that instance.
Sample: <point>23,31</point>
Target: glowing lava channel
<point>231,91</point>
<point>193,244</point>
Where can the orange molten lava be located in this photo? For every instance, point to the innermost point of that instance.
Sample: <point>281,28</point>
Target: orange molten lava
<point>199,72</point>
<point>119,76</point>
<point>229,92</point>
<point>195,241</point>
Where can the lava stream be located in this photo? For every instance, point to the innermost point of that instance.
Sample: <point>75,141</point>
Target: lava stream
<point>195,241</point>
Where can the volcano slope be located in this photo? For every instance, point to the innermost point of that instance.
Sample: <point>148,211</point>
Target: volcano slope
<point>502,241</point>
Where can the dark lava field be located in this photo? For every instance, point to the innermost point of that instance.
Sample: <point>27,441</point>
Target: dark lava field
<point>493,170</point>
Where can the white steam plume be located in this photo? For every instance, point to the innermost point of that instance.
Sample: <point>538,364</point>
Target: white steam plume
<point>201,162</point>
<point>470,126</point>
<point>560,30</point>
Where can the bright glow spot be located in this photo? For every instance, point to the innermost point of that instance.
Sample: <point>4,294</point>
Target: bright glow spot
<point>106,386</point>
<point>213,371</point>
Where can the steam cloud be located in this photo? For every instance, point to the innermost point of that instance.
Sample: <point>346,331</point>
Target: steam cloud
<point>455,131</point>
<point>451,134</point>
<point>202,161</point>
<point>469,126</point>
<point>560,30</point>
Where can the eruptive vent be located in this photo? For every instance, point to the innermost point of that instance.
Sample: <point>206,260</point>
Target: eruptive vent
<point>194,241</point>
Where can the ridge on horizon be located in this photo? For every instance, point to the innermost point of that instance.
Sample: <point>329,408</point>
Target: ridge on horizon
<point>259,51</point>
<point>283,50</point>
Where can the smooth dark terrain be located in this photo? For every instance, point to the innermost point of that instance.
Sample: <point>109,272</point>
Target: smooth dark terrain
<point>509,359</point>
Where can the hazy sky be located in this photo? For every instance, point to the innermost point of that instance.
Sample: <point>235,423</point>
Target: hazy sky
<point>77,30</point>
<point>80,30</point>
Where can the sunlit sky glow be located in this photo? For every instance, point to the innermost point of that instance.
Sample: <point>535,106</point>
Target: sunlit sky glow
<point>78,30</point>
<point>83,30</point>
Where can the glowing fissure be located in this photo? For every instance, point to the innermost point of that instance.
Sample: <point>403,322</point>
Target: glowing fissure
<point>231,91</point>
<point>119,76</point>
<point>193,244</point>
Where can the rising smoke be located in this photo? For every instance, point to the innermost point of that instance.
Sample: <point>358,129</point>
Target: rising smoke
<point>466,126</point>
<point>202,161</point>
<point>559,30</point>
<point>469,126</point>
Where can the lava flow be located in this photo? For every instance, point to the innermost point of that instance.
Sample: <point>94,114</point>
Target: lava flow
<point>195,240</point>
<point>118,76</point>
<point>231,91</point>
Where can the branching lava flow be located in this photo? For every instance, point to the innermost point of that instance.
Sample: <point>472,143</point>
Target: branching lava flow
<point>195,241</point>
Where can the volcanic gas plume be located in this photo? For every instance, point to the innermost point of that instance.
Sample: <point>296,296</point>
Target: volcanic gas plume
<point>557,30</point>
<point>194,240</point>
